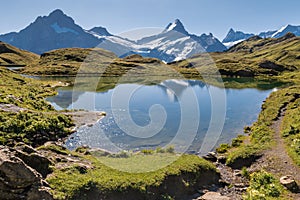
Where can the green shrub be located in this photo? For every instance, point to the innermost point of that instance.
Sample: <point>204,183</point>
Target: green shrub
<point>244,152</point>
<point>223,148</point>
<point>33,127</point>
<point>122,154</point>
<point>296,145</point>
<point>245,173</point>
<point>147,151</point>
<point>236,142</point>
<point>170,149</point>
<point>160,150</point>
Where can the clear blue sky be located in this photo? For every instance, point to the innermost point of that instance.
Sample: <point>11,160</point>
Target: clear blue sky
<point>198,16</point>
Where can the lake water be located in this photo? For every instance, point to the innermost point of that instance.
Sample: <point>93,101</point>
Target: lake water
<point>181,113</point>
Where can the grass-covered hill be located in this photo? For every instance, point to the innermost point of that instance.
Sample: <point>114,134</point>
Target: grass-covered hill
<point>67,61</point>
<point>252,57</point>
<point>10,55</point>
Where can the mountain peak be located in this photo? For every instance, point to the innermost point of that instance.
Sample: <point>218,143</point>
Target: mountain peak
<point>57,12</point>
<point>231,30</point>
<point>100,31</point>
<point>236,36</point>
<point>176,26</point>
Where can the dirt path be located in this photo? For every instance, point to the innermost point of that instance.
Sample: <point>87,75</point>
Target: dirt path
<point>276,160</point>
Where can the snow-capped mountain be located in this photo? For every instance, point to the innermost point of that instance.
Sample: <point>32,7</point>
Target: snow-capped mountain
<point>286,29</point>
<point>99,31</point>
<point>234,37</point>
<point>267,34</point>
<point>60,31</point>
<point>173,43</point>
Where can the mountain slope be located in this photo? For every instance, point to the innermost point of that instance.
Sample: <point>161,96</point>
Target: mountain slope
<point>10,55</point>
<point>51,32</point>
<point>287,29</point>
<point>233,37</point>
<point>178,44</point>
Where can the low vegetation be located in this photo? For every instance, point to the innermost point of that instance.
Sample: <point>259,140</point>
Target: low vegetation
<point>264,186</point>
<point>25,116</point>
<point>122,176</point>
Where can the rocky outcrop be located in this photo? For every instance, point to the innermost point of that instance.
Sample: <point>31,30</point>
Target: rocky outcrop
<point>17,179</point>
<point>241,73</point>
<point>266,64</point>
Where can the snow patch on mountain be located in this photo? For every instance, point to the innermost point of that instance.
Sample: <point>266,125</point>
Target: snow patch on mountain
<point>280,30</point>
<point>172,26</point>
<point>59,29</point>
<point>230,44</point>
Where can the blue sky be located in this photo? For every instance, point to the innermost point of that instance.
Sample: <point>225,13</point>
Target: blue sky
<point>198,16</point>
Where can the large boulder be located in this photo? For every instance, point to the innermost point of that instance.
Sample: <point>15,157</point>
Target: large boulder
<point>18,180</point>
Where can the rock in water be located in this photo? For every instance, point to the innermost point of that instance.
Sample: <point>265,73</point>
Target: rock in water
<point>290,183</point>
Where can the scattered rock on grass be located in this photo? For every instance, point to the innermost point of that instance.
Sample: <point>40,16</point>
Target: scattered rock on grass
<point>290,183</point>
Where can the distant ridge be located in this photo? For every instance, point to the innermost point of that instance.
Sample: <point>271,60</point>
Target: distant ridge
<point>234,37</point>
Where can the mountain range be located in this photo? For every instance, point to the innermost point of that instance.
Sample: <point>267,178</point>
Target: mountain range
<point>57,30</point>
<point>234,37</point>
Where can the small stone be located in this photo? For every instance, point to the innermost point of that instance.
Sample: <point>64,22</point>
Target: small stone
<point>213,196</point>
<point>237,173</point>
<point>90,125</point>
<point>222,159</point>
<point>102,113</point>
<point>290,183</point>
<point>211,156</point>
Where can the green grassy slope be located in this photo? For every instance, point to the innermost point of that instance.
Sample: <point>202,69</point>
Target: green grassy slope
<point>10,55</point>
<point>24,114</point>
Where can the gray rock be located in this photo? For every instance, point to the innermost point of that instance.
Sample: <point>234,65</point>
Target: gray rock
<point>14,171</point>
<point>36,161</point>
<point>39,194</point>
<point>17,179</point>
